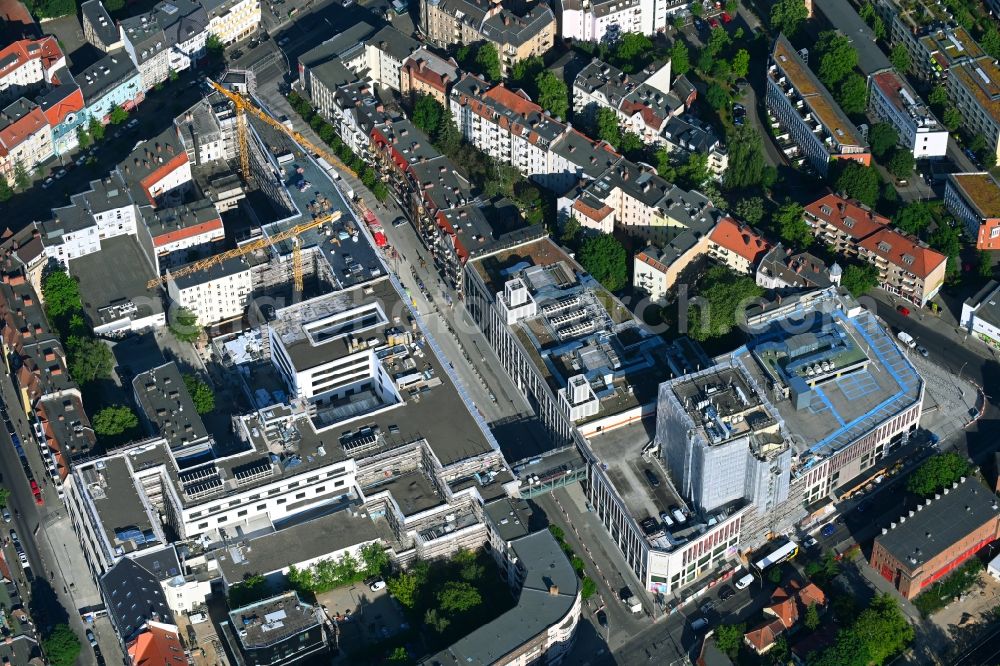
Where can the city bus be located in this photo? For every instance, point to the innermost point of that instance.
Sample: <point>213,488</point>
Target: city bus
<point>782,554</point>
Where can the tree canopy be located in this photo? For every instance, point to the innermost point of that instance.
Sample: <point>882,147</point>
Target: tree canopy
<point>937,472</point>
<point>118,115</point>
<point>427,114</point>
<point>603,256</point>
<point>852,95</point>
<point>680,59</point>
<point>859,279</point>
<point>184,325</point>
<point>114,420</point>
<point>722,298</point>
<point>746,160</point>
<point>858,182</point>
<point>900,58</point>
<point>201,393</point>
<point>946,240</point>
<point>914,218</point>
<point>632,52</point>
<point>792,226</point>
<point>553,95</point>
<point>837,57</point>
<point>729,638</point>
<point>901,164</point>
<point>882,138</point>
<point>61,646</point>
<point>606,126</point>
<point>89,359</point>
<point>879,632</point>
<point>788,15</point>
<point>750,210</point>
<point>488,61</point>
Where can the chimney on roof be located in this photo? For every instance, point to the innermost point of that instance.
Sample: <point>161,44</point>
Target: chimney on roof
<point>553,590</point>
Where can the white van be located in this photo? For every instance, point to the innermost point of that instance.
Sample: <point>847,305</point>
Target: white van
<point>906,339</point>
<point>744,581</point>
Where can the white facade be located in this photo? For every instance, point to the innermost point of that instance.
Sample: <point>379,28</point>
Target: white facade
<point>235,22</point>
<point>651,277</point>
<point>182,56</point>
<point>976,320</point>
<point>117,221</point>
<point>171,180</point>
<point>185,594</point>
<point>383,67</point>
<point>218,296</point>
<point>892,100</point>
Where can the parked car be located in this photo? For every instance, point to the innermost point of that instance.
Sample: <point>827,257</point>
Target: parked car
<point>810,542</point>
<point>602,618</point>
<point>60,173</point>
<point>6,515</point>
<point>652,478</point>
<point>698,624</point>
<point>91,638</point>
<point>22,558</point>
<point>713,23</point>
<point>13,536</point>
<point>726,18</point>
<point>903,310</point>
<point>283,41</point>
<point>377,585</point>
<point>725,592</point>
<point>132,123</point>
<point>828,529</point>
<point>47,183</point>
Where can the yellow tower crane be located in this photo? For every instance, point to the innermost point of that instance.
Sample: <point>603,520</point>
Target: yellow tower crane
<point>245,105</point>
<point>259,244</point>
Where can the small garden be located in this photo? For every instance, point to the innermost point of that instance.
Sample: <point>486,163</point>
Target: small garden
<point>943,592</point>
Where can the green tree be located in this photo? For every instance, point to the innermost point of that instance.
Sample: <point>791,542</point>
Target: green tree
<point>680,59</point>
<point>937,472</point>
<point>114,420</point>
<point>399,656</point>
<point>952,118</point>
<point>436,621</point>
<point>984,264</point>
<point>857,181</point>
<point>692,173</point>
<point>184,325</point>
<point>449,138</point>
<point>606,124</point>
<point>95,129</point>
<point>938,96</point>
<point>901,163</point>
<point>488,61</point>
<point>5,191</point>
<point>717,96</point>
<point>696,8</point>
<point>201,393</point>
<point>774,574</point>
<point>723,297</point>
<point>61,646</point>
<point>427,114</point>
<point>251,589</point>
<point>859,279</point>
<point>945,239</point>
<point>882,138</point>
<point>718,40</point>
<point>750,210</point>
<point>631,144</point>
<point>22,180</point>
<point>729,638</point>
<point>524,72</point>
<point>837,58</point>
<point>570,231</point>
<point>812,617</point>
<point>741,63</point>
<point>89,359</point>
<point>82,138</point>
<point>900,58</point>
<point>553,96</point>
<point>632,52</point>
<point>214,48</point>
<point>990,41</point>
<point>746,160</point>
<point>114,5</point>
<point>914,218</point>
<point>118,115</point>
<point>603,256</point>
<point>61,293</point>
<point>788,15</point>
<point>852,95</point>
<point>458,597</point>
<point>792,226</point>
<point>588,588</point>
<point>405,587</point>
<point>380,191</point>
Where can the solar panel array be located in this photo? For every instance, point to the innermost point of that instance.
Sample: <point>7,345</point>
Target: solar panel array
<point>250,472</point>
<point>201,481</point>
<point>362,439</point>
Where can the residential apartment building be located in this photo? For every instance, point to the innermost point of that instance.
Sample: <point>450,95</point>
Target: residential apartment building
<point>974,88</point>
<point>277,631</point>
<point>354,112</point>
<point>600,20</point>
<point>385,52</point>
<point>737,246</point>
<point>804,107</point>
<point>924,545</point>
<point>690,135</point>
<point>184,24</point>
<point>426,73</point>
<point>105,211</point>
<point>974,200</point>
<point>208,131</point>
<point>655,270</point>
<point>907,266</point>
<point>644,102</point>
<point>516,35</point>
<point>158,170</point>
<point>112,81</point>
<point>26,65</point>
<point>98,28</point>
<point>217,293</point>
<point>25,138</point>
<point>932,39</point>
<point>783,270</point>
<point>179,233</point>
<point>893,100</point>
<point>232,20</point>
<point>63,106</point>
<point>148,48</point>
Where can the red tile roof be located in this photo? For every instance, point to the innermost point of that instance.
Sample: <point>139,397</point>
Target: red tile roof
<point>159,645</point>
<point>741,239</point>
<point>846,215</point>
<point>904,251</point>
<point>21,130</point>
<point>46,49</point>
<point>763,637</point>
<point>71,103</point>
